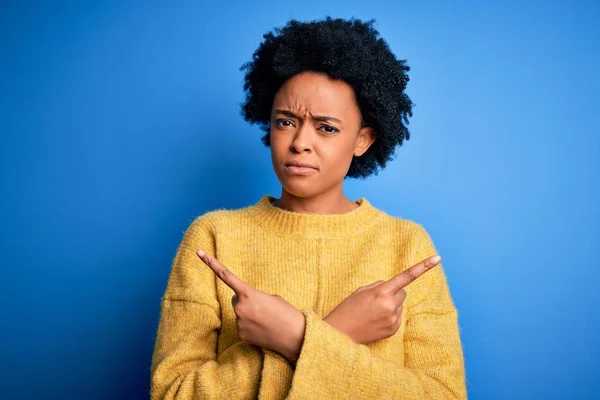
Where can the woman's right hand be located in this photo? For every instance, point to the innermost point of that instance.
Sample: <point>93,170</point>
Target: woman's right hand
<point>373,312</point>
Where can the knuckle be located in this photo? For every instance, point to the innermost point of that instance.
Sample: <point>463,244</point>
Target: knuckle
<point>391,330</point>
<point>390,306</point>
<point>391,320</point>
<point>240,311</point>
<point>241,324</point>
<point>411,274</point>
<point>379,291</point>
<point>399,312</point>
<point>223,274</point>
<point>402,294</point>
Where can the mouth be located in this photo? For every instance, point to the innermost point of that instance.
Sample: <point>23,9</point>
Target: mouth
<point>298,168</point>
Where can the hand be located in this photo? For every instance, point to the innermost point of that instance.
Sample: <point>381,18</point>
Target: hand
<point>374,312</point>
<point>262,319</point>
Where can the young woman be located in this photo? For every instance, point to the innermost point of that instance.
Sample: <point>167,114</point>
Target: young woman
<point>312,295</point>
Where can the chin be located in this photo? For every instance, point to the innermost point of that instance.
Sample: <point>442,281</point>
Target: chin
<point>299,189</point>
<point>301,192</point>
<point>300,186</point>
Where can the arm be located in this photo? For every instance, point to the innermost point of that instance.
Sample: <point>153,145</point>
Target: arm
<point>332,365</point>
<point>184,363</point>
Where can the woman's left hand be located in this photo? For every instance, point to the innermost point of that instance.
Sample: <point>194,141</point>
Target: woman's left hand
<point>263,319</point>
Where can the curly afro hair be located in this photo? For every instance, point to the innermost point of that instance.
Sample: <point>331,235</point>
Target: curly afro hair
<point>349,50</point>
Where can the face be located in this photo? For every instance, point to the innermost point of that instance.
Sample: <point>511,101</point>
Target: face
<point>315,121</point>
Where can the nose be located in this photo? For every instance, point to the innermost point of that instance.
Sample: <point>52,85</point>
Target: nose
<point>302,142</point>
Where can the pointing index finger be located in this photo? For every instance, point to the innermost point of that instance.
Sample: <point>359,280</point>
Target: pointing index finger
<point>223,273</point>
<point>402,280</point>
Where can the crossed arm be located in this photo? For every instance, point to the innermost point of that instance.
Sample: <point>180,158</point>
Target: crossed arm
<point>331,364</point>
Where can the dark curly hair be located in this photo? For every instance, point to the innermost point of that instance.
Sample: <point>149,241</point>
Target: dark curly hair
<point>349,50</point>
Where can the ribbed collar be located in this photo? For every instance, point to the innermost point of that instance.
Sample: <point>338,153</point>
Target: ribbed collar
<point>310,225</point>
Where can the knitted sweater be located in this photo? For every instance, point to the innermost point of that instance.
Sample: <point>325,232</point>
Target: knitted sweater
<point>314,261</point>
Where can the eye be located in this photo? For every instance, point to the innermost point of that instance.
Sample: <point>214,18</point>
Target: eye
<point>283,122</point>
<point>330,130</point>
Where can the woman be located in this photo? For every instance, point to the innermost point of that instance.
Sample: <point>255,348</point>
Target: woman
<point>312,295</point>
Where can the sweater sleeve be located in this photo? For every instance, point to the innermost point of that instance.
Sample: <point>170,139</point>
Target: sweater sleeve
<point>332,365</point>
<point>185,363</point>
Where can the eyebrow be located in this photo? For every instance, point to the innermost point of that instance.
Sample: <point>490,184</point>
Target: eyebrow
<point>317,117</point>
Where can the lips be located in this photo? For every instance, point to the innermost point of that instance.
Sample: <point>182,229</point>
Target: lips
<point>301,164</point>
<point>300,168</point>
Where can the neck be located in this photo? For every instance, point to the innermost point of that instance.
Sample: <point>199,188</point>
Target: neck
<point>313,225</point>
<point>324,203</point>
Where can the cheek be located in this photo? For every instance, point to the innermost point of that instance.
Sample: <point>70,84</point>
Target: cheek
<point>279,150</point>
<point>337,154</point>
<point>277,146</point>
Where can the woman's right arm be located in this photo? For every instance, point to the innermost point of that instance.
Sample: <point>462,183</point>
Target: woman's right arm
<point>185,363</point>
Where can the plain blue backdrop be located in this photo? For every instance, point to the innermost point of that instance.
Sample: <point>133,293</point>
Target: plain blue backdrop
<point>120,123</point>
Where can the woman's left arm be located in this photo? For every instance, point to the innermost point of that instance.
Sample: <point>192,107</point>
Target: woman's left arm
<point>332,365</point>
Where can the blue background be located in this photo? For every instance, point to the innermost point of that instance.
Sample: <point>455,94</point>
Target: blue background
<point>120,123</point>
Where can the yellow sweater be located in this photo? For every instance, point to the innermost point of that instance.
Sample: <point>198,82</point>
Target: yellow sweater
<point>314,261</point>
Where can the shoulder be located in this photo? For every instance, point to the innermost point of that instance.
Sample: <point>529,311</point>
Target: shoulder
<point>408,233</point>
<point>220,220</point>
<point>402,226</point>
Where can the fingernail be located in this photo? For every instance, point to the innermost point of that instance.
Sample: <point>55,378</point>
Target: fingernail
<point>436,259</point>
<point>200,253</point>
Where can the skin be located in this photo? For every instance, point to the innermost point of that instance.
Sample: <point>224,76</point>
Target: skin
<point>297,133</point>
<point>315,119</point>
<point>369,314</point>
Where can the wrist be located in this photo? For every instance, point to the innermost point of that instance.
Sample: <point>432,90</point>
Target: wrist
<point>340,327</point>
<point>333,322</point>
<point>292,351</point>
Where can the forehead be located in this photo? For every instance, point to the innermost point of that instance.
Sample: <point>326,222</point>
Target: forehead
<point>317,94</point>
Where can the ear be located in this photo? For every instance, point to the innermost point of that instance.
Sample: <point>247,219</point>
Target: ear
<point>364,140</point>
